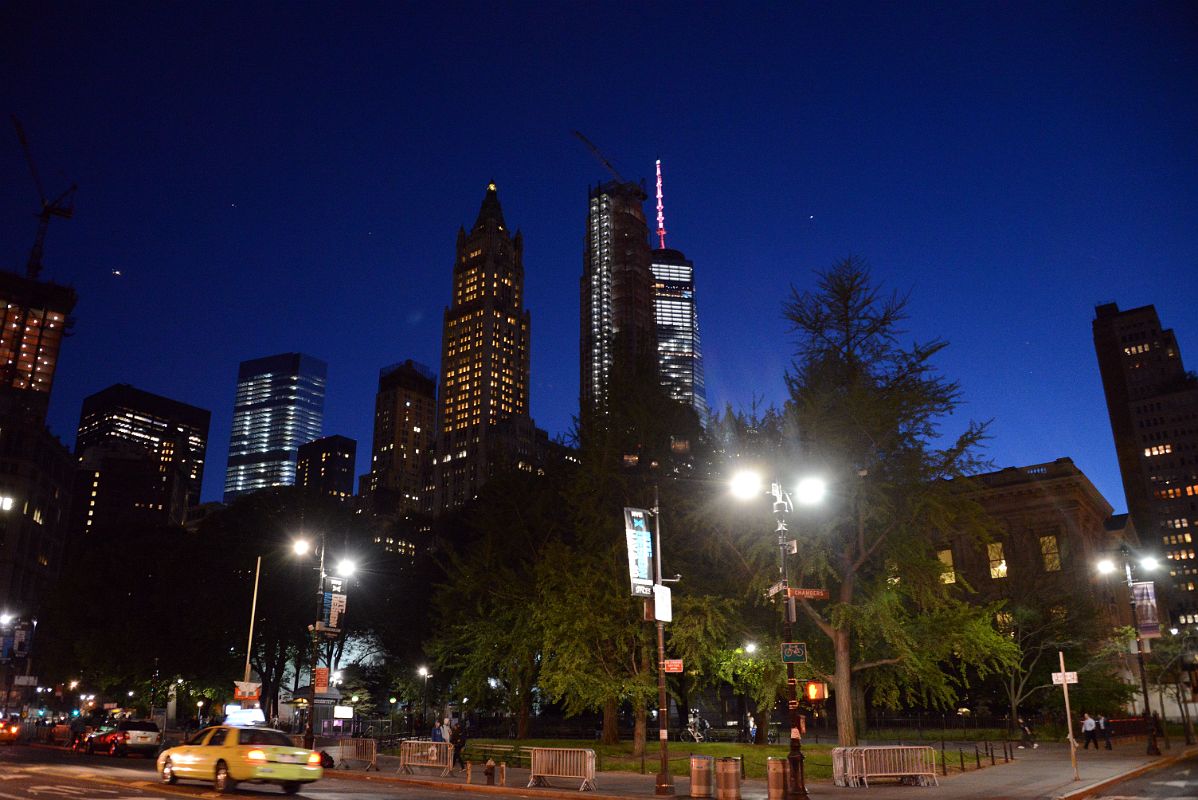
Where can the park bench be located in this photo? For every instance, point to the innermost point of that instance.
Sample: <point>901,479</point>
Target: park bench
<point>509,754</point>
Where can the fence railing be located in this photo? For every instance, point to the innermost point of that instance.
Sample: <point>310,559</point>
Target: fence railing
<point>435,755</point>
<point>563,762</point>
<point>854,766</point>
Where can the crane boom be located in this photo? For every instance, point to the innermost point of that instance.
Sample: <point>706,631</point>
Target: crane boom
<point>62,206</point>
<point>599,155</point>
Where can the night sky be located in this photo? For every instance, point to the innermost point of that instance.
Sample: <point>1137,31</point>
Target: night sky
<point>275,177</point>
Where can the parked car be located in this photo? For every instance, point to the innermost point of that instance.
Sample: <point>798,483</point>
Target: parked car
<point>227,756</point>
<point>128,736</point>
<point>10,730</point>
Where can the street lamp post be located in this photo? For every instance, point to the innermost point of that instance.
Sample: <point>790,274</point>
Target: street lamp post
<point>249,645</point>
<point>424,673</point>
<point>1148,563</point>
<point>344,569</point>
<point>809,492</point>
<point>665,780</point>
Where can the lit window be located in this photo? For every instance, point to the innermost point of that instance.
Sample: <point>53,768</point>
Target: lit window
<point>998,562</point>
<point>1050,551</point>
<point>947,575</point>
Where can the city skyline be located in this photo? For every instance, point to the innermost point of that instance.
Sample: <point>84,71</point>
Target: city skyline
<point>1030,166</point>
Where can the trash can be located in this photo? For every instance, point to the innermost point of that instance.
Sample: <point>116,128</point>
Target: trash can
<point>775,777</point>
<point>727,778</point>
<point>701,767</point>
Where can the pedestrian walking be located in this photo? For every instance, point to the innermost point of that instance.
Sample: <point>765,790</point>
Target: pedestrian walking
<point>1104,730</point>
<point>436,734</point>
<point>1090,730</point>
<point>447,730</point>
<point>1029,738</point>
<point>458,738</point>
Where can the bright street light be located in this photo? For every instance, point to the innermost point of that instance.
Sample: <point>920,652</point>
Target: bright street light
<point>747,484</point>
<point>1148,562</point>
<point>422,672</point>
<point>301,547</point>
<point>1106,566</point>
<point>810,491</point>
<point>345,568</point>
<point>751,648</point>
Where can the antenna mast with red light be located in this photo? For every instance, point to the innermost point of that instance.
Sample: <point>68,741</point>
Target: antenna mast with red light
<point>661,211</point>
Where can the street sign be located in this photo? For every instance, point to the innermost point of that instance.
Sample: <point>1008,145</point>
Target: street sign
<point>773,590</point>
<point>792,546</point>
<point>1064,677</point>
<point>807,594</point>
<point>663,610</point>
<point>794,652</point>
<point>672,665</point>
<point>24,680</point>
<point>247,690</point>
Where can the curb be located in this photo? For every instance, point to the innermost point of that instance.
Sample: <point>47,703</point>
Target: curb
<point>449,786</point>
<point>1160,763</point>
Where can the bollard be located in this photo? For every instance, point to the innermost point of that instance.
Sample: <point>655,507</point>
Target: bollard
<point>727,778</point>
<point>503,774</point>
<point>489,771</point>
<point>977,757</point>
<point>469,765</point>
<point>992,762</point>
<point>701,767</point>
<point>961,753</point>
<point>775,777</point>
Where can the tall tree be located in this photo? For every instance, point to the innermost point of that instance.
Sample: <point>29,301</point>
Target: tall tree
<point>867,410</point>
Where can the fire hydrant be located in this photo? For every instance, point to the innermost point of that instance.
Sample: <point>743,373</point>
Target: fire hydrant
<point>489,771</point>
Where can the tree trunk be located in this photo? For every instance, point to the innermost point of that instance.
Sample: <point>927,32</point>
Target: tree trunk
<point>611,727</point>
<point>638,732</point>
<point>522,715</point>
<point>859,717</point>
<point>846,729</point>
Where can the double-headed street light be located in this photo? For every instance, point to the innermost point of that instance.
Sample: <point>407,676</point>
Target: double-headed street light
<point>1106,567</point>
<point>748,485</point>
<point>345,568</point>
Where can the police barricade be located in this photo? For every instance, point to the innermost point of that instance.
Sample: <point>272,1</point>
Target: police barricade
<point>562,762</point>
<point>854,766</point>
<point>359,750</point>
<point>414,753</point>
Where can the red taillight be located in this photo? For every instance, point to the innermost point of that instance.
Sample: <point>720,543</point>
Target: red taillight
<point>313,759</point>
<point>256,755</point>
<point>13,729</point>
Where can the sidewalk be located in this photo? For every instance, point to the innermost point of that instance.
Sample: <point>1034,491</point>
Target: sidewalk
<point>1041,774</point>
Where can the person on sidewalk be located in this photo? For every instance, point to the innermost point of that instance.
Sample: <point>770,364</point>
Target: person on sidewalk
<point>1104,729</point>
<point>1029,738</point>
<point>447,731</point>
<point>1090,730</point>
<point>436,734</point>
<point>457,737</point>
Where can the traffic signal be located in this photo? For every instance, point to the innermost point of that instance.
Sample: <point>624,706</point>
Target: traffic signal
<point>816,690</point>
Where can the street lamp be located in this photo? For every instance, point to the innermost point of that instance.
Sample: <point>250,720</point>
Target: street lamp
<point>344,569</point>
<point>1106,567</point>
<point>809,491</point>
<point>424,673</point>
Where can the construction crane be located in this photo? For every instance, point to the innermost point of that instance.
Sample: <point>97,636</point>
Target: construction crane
<point>599,155</point>
<point>62,206</point>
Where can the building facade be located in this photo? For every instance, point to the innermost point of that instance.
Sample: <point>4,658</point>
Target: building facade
<point>617,320</point>
<point>1152,403</point>
<point>484,355</point>
<point>405,420</point>
<point>326,466</point>
<point>279,406</point>
<point>679,351</point>
<point>174,433</point>
<point>33,321</point>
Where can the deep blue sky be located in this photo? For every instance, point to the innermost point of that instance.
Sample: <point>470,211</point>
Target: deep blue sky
<point>271,177</point>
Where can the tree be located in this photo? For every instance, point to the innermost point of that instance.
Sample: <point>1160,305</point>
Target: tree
<point>867,411</point>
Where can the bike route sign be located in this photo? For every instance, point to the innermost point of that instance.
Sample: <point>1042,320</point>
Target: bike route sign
<point>794,652</point>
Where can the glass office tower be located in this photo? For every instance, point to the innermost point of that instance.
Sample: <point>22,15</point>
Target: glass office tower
<point>679,354</point>
<point>279,406</point>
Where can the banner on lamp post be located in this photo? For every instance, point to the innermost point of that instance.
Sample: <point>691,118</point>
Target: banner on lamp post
<point>1144,596</point>
<point>640,551</point>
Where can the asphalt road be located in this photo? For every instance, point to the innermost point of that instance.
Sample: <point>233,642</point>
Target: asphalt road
<point>1176,782</point>
<point>32,772</point>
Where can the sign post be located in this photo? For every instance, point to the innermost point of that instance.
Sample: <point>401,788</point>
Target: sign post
<point>1067,678</point>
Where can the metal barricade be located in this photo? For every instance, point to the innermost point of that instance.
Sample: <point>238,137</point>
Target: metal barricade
<point>359,750</point>
<point>727,778</point>
<point>562,762</point>
<point>775,777</point>
<point>854,766</point>
<point>436,755</point>
<point>701,769</point>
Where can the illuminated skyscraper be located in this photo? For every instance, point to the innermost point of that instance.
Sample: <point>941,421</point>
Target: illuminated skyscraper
<point>33,318</point>
<point>173,433</point>
<point>279,406</point>
<point>484,357</point>
<point>1153,402</point>
<point>405,420</point>
<point>679,353</point>
<point>326,466</point>
<point>617,323</point>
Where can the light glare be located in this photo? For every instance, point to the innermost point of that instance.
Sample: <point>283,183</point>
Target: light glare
<point>1106,566</point>
<point>1148,562</point>
<point>810,491</point>
<point>345,568</point>
<point>746,484</point>
<point>301,547</point>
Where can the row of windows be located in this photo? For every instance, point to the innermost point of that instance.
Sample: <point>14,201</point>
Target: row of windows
<point>1050,556</point>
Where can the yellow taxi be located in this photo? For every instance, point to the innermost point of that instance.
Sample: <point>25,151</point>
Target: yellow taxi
<point>9,731</point>
<point>227,756</point>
